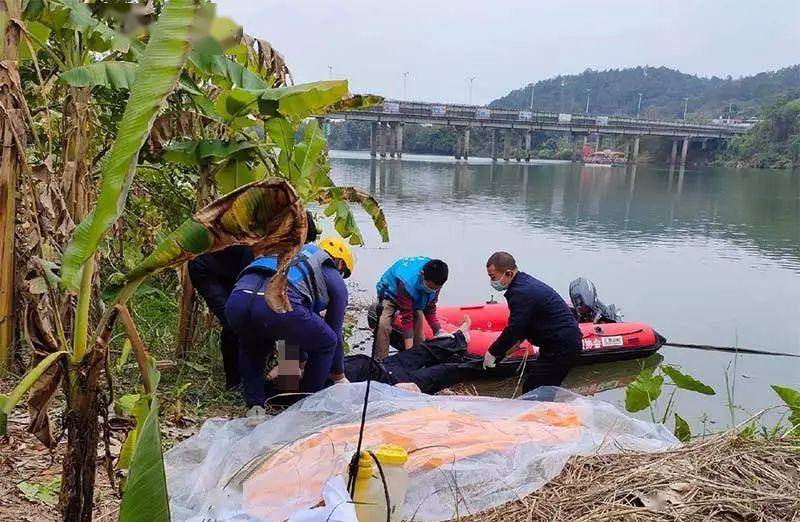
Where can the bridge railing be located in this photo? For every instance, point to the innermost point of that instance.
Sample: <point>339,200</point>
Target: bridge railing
<point>470,113</point>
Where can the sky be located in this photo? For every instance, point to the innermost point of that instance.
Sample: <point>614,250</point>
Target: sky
<point>506,44</point>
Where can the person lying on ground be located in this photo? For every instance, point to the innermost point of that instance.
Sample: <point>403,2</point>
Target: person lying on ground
<point>429,366</point>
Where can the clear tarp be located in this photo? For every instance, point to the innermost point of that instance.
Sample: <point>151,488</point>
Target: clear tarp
<point>466,454</point>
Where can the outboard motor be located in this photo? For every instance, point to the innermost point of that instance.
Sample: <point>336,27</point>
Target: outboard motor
<point>587,307</point>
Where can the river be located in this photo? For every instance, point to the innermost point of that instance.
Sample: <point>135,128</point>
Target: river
<point>707,256</point>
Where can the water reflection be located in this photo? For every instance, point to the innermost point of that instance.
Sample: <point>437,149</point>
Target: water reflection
<point>587,380</point>
<point>705,256</point>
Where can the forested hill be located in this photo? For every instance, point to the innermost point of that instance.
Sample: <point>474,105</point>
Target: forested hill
<point>616,92</point>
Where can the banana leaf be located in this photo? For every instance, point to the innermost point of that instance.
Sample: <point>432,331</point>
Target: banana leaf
<point>114,75</point>
<point>202,152</point>
<point>357,101</point>
<point>335,198</point>
<point>266,215</point>
<point>77,15</point>
<point>157,76</point>
<point>295,102</point>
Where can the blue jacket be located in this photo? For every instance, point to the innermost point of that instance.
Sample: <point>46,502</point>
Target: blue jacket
<point>406,271</point>
<point>305,274</point>
<point>537,313</point>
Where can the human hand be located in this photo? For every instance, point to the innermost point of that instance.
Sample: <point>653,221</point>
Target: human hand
<point>489,360</point>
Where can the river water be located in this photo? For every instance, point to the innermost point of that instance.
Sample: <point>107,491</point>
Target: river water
<point>709,256</point>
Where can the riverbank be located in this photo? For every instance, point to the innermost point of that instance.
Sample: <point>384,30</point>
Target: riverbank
<point>730,477</point>
<point>727,477</point>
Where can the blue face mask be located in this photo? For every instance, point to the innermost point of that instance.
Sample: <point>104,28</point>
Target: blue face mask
<point>497,285</point>
<point>427,289</point>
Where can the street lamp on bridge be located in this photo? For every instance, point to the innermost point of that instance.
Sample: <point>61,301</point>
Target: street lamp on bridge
<point>405,77</point>
<point>471,79</point>
<point>639,108</point>
<point>685,107</point>
<point>588,93</point>
<point>330,72</point>
<point>533,91</point>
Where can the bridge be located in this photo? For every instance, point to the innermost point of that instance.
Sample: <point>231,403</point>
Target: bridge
<point>518,126</point>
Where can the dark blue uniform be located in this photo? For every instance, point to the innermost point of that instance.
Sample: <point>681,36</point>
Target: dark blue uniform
<point>256,324</point>
<point>214,276</point>
<point>538,314</point>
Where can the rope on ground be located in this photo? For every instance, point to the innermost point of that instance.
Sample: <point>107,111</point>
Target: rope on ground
<point>731,349</point>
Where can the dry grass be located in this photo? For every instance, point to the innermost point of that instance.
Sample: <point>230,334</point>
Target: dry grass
<point>724,478</point>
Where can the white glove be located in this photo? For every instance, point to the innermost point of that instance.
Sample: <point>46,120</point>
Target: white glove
<point>441,334</point>
<point>489,360</point>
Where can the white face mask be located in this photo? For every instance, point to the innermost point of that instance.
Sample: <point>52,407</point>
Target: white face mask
<point>498,284</point>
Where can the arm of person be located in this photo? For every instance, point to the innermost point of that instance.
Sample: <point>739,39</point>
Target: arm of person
<point>519,314</point>
<point>432,317</point>
<point>406,312</point>
<point>334,314</point>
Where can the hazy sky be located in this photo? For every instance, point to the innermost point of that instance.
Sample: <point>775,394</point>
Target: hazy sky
<point>506,44</point>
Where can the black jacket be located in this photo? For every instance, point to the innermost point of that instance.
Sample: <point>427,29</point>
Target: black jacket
<point>536,313</point>
<point>220,268</point>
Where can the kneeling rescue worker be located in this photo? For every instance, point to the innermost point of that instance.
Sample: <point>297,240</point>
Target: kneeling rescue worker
<point>537,314</point>
<point>316,283</point>
<point>410,287</point>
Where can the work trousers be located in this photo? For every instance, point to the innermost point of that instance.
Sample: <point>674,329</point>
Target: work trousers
<point>554,362</point>
<point>386,323</point>
<point>432,365</point>
<point>215,293</point>
<point>256,324</point>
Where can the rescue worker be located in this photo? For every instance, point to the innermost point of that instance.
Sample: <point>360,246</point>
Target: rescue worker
<point>214,276</point>
<point>537,314</point>
<point>410,287</point>
<point>316,284</point>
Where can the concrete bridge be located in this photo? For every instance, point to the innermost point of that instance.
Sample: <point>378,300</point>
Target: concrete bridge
<point>518,126</point>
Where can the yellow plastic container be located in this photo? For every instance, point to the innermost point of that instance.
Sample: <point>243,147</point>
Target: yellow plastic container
<point>370,495</point>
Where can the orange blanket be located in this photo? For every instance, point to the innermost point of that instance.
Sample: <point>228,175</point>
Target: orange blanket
<point>433,437</point>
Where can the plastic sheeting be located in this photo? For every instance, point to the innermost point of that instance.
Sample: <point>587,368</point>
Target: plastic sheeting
<point>467,454</point>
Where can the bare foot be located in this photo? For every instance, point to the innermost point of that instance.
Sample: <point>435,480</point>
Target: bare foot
<point>408,386</point>
<point>466,323</point>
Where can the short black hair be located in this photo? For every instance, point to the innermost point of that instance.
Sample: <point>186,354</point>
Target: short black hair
<point>502,261</point>
<point>311,232</point>
<point>435,271</point>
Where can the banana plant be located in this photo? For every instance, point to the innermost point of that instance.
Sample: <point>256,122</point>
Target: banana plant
<point>159,69</point>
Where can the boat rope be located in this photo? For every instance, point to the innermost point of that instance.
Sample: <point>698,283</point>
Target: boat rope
<point>730,349</point>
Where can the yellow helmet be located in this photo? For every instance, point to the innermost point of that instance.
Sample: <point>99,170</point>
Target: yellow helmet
<point>338,249</point>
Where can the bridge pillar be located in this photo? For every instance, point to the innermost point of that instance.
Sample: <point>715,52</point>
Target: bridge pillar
<point>458,145</point>
<point>574,148</point>
<point>507,144</point>
<point>598,142</point>
<point>627,151</point>
<point>466,142</point>
<point>528,136</point>
<point>674,154</point>
<point>382,140</point>
<point>494,144</point>
<point>373,139</point>
<point>399,139</point>
<point>684,151</point>
<point>391,139</point>
<point>636,149</point>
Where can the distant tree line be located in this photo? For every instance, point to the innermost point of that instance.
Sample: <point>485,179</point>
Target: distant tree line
<point>615,92</point>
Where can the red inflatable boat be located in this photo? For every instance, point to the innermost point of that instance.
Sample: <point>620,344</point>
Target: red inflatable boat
<point>601,342</point>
